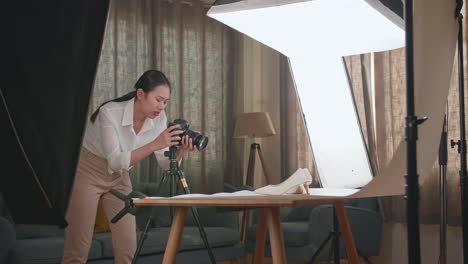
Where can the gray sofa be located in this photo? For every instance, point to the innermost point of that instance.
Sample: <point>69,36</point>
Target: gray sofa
<point>44,244</point>
<point>305,228</point>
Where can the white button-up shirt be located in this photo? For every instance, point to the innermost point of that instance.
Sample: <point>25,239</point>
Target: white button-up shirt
<point>112,136</point>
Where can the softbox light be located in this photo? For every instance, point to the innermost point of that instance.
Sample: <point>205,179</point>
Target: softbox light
<point>315,35</point>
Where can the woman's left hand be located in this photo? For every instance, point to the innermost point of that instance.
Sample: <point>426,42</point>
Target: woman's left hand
<point>187,145</point>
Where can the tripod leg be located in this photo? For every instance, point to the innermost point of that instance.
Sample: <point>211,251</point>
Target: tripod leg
<point>322,245</point>
<point>161,183</point>
<point>201,230</point>
<point>243,230</point>
<point>251,166</point>
<point>176,190</point>
<point>184,184</point>
<point>249,182</point>
<point>263,165</point>
<point>143,237</point>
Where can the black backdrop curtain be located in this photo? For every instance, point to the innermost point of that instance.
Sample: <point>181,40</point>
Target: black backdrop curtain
<point>51,50</point>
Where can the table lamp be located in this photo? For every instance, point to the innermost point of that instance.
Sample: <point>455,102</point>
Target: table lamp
<point>254,125</point>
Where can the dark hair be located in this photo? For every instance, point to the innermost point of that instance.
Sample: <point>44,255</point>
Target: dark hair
<point>147,81</point>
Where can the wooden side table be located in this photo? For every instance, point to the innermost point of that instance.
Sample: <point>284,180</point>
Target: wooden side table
<point>269,215</point>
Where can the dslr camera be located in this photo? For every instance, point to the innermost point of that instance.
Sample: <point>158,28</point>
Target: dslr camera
<point>198,140</point>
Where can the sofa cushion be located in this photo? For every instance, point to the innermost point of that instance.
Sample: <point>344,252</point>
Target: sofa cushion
<point>213,217</point>
<point>36,231</point>
<point>300,213</point>
<point>295,233</point>
<point>48,250</point>
<point>217,237</point>
<point>7,239</point>
<point>157,239</point>
<point>153,243</point>
<point>4,211</point>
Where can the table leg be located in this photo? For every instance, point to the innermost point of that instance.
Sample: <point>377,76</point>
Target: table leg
<point>261,236</point>
<point>276,236</point>
<point>346,233</point>
<point>173,242</point>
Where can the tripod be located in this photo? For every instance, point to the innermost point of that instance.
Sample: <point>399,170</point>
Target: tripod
<point>334,236</point>
<point>171,174</point>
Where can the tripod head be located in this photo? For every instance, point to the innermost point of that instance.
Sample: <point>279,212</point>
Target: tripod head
<point>172,155</point>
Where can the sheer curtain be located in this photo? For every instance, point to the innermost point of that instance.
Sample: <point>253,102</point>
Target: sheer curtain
<point>378,83</point>
<point>390,112</point>
<point>263,82</point>
<point>196,54</point>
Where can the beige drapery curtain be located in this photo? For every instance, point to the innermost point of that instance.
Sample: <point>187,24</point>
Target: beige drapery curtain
<point>196,54</point>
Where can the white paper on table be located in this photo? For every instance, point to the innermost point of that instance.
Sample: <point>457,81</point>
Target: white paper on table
<point>337,192</point>
<point>326,192</point>
<point>214,195</point>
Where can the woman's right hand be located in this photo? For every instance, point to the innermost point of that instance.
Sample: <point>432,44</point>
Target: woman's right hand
<point>169,137</point>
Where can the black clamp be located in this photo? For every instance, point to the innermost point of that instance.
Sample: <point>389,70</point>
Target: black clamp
<point>129,206</point>
<point>412,123</point>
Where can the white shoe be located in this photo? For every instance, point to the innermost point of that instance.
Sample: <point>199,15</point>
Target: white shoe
<point>297,183</point>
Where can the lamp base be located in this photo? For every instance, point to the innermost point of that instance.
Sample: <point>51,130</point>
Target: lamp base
<point>249,181</point>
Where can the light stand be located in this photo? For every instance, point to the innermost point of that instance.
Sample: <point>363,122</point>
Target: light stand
<point>461,143</point>
<point>443,192</point>
<point>171,174</point>
<point>412,122</point>
<point>334,235</point>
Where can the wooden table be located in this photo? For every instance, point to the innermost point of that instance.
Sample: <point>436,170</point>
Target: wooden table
<point>269,214</point>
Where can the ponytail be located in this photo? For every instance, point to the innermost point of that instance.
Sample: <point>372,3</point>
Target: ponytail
<point>125,97</point>
<point>147,82</point>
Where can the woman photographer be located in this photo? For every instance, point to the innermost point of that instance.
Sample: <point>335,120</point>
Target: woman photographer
<point>121,132</point>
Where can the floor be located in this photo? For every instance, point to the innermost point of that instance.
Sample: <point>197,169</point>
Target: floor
<point>394,246</point>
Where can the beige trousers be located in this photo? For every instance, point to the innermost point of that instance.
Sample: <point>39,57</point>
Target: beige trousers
<point>93,182</point>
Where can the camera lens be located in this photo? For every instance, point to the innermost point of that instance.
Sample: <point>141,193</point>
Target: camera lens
<point>198,140</point>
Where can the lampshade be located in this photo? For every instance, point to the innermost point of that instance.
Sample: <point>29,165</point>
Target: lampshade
<point>254,125</point>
